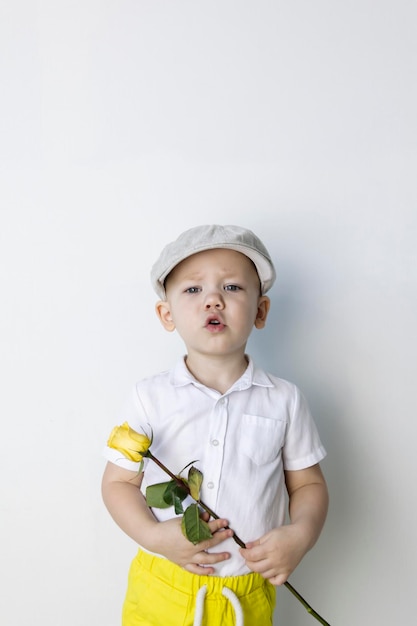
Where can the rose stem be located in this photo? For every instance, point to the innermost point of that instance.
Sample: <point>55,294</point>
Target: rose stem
<point>183,485</point>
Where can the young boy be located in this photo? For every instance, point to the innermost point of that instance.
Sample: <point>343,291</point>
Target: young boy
<point>251,432</point>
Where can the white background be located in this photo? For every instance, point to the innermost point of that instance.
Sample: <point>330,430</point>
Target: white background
<point>123,123</point>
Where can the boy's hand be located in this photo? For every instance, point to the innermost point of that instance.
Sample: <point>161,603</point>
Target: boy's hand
<point>127,505</point>
<point>276,555</point>
<point>171,543</point>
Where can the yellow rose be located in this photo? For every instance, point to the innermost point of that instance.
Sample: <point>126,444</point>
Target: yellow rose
<point>130,443</point>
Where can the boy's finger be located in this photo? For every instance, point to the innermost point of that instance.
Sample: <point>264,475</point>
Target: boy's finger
<point>219,537</point>
<point>211,558</point>
<point>217,524</point>
<point>199,569</point>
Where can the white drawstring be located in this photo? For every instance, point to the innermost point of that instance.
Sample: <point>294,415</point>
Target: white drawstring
<point>234,601</point>
<point>199,605</point>
<point>228,593</point>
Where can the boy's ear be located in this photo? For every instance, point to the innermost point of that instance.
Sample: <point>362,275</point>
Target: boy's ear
<point>262,313</point>
<point>164,314</point>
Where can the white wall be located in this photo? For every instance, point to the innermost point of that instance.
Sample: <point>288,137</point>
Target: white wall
<point>123,123</point>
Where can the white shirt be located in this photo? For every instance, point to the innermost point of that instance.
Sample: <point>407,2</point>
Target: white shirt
<point>242,441</point>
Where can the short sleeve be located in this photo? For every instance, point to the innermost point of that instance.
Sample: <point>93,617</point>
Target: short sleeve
<point>303,447</point>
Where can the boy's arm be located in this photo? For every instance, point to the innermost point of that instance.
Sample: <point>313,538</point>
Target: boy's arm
<point>127,505</point>
<point>277,554</point>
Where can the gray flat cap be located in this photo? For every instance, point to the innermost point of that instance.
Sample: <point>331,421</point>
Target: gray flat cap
<point>210,237</point>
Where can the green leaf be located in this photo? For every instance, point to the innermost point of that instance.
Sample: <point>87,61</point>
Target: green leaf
<point>174,491</point>
<point>193,527</point>
<point>179,509</point>
<point>155,495</point>
<point>195,480</point>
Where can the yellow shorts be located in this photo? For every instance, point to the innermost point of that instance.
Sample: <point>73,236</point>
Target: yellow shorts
<point>161,593</point>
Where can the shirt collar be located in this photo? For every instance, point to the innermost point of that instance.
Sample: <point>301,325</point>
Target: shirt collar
<point>180,376</point>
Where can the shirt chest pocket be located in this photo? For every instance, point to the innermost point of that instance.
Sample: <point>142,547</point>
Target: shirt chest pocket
<point>262,438</point>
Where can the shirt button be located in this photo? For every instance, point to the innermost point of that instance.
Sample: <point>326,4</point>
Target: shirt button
<point>210,485</point>
<point>214,442</point>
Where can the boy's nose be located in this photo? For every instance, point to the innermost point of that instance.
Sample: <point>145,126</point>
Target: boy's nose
<point>214,300</point>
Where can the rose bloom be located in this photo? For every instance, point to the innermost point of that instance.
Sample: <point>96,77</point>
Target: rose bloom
<point>130,443</point>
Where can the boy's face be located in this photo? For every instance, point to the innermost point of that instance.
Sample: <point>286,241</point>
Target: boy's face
<point>213,300</point>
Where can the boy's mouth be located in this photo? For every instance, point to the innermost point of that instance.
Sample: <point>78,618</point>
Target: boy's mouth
<point>214,324</point>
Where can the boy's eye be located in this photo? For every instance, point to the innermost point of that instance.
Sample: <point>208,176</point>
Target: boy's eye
<point>232,288</point>
<point>192,290</point>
